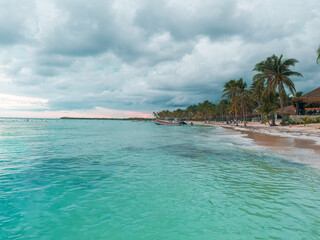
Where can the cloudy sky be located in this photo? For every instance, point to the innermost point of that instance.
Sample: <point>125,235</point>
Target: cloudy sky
<point>122,58</point>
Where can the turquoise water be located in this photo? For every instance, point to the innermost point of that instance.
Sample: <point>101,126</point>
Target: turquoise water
<point>77,179</point>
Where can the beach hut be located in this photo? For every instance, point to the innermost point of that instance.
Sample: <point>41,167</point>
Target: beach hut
<point>310,99</point>
<point>288,110</point>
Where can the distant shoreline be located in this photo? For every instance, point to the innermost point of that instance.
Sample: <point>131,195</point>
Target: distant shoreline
<point>124,119</point>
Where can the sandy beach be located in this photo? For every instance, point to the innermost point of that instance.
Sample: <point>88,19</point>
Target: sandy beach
<point>299,142</point>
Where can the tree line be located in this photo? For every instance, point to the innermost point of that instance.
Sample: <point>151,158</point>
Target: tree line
<point>272,88</point>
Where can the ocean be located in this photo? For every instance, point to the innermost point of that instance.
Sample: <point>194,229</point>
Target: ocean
<point>103,179</point>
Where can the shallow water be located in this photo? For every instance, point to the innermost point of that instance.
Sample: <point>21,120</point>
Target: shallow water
<point>78,179</point>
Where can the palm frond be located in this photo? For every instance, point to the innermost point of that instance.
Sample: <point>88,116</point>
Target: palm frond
<point>290,62</point>
<point>292,73</point>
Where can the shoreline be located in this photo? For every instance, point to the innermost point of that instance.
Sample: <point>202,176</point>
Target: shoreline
<point>299,142</point>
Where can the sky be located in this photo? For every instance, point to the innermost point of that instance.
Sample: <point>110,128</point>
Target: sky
<point>128,58</point>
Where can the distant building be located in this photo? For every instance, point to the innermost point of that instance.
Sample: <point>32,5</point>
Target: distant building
<point>289,110</point>
<point>309,103</point>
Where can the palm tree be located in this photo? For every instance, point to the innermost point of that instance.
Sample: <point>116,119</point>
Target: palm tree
<point>231,91</point>
<point>318,53</point>
<point>275,71</point>
<point>244,97</point>
<point>268,107</point>
<point>257,89</point>
<point>299,94</point>
<point>191,111</point>
<point>223,110</point>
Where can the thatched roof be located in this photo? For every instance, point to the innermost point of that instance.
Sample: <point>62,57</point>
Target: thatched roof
<point>310,97</point>
<point>289,110</point>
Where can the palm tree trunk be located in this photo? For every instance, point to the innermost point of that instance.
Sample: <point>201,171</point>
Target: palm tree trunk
<point>273,120</point>
<point>268,120</point>
<point>281,102</point>
<point>227,117</point>
<point>246,115</point>
<point>236,115</point>
<point>243,116</point>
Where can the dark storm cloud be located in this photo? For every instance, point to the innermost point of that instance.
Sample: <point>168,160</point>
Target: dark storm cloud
<point>148,54</point>
<point>16,21</point>
<point>186,20</point>
<point>90,28</point>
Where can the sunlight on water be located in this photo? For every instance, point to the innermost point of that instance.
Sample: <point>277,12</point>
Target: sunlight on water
<point>77,179</point>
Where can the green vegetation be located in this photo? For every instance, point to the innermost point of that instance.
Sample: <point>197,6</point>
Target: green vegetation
<point>318,54</point>
<point>306,120</point>
<point>299,94</point>
<point>268,107</point>
<point>202,111</point>
<point>266,94</point>
<point>275,73</point>
<point>239,96</point>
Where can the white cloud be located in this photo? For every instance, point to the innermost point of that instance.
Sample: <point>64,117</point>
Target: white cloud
<point>13,102</point>
<point>96,112</point>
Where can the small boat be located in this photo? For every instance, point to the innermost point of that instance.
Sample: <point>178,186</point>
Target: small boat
<point>166,122</point>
